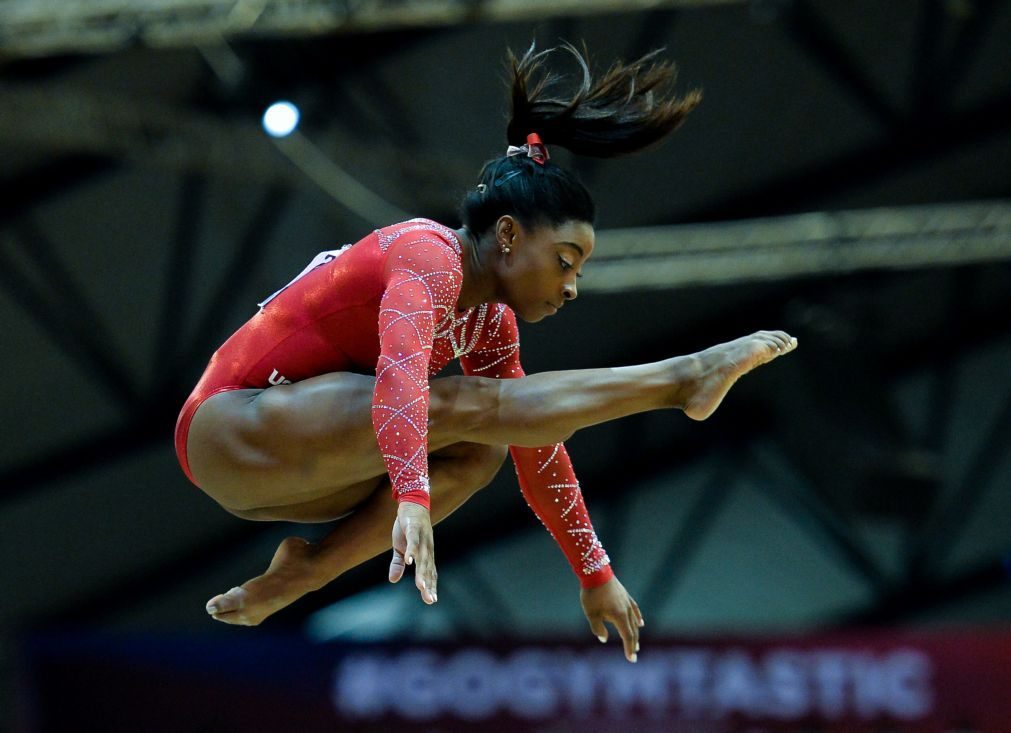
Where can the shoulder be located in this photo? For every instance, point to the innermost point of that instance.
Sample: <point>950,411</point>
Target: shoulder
<point>422,255</point>
<point>420,232</point>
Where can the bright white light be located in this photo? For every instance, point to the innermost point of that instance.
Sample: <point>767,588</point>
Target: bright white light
<point>281,119</point>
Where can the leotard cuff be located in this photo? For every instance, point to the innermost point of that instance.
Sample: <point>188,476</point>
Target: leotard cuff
<point>597,577</point>
<point>416,492</point>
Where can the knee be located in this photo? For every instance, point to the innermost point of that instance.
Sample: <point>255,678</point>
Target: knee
<point>487,463</point>
<point>459,405</point>
<point>474,466</point>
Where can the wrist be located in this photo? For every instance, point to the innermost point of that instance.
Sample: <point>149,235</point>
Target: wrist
<point>596,578</point>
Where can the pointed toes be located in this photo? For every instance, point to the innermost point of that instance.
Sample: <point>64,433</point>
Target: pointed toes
<point>228,602</point>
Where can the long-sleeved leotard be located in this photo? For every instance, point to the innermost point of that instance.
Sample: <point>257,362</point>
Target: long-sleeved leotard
<point>388,303</point>
<point>545,474</point>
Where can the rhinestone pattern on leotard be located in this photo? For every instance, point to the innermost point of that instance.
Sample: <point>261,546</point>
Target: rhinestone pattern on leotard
<point>423,280</point>
<point>545,474</point>
<point>420,333</point>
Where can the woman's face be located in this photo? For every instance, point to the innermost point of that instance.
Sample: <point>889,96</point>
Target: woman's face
<point>539,273</point>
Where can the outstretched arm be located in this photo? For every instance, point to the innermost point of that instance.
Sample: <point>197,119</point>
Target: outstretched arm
<point>550,488</point>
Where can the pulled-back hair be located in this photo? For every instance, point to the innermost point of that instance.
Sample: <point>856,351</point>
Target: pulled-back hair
<point>629,108</point>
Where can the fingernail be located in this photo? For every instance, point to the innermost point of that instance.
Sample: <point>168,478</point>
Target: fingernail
<point>410,561</point>
<point>435,598</point>
<point>602,639</point>
<point>637,646</point>
<point>641,623</point>
<point>635,658</point>
<point>212,608</point>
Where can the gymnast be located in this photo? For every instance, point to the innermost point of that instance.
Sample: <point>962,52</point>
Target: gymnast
<point>325,405</point>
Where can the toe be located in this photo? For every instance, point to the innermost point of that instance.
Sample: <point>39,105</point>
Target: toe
<point>233,600</point>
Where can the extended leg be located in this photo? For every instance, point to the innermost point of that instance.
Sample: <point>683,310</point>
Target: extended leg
<point>547,408</point>
<point>293,444</point>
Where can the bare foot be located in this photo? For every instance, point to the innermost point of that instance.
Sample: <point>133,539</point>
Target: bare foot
<point>722,365</point>
<point>289,577</point>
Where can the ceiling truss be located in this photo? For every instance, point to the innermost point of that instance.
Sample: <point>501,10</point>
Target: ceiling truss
<point>37,28</point>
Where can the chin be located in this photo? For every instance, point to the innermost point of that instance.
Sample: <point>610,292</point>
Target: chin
<point>528,317</point>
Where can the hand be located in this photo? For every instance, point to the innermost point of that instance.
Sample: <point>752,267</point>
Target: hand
<point>413,544</point>
<point>611,602</point>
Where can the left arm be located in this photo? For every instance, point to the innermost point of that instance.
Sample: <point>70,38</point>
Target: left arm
<point>550,488</point>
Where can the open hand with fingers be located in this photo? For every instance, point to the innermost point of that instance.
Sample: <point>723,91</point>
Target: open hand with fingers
<point>611,603</point>
<point>414,544</point>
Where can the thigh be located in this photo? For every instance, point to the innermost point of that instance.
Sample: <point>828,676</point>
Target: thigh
<point>457,472</point>
<point>327,507</point>
<point>253,448</point>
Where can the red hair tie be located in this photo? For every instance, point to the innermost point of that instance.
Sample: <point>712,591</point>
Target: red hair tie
<point>535,149</point>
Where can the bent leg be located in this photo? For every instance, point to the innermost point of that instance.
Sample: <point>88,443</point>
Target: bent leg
<point>299,567</point>
<point>531,411</point>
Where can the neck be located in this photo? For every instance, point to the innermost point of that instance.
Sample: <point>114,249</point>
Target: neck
<point>478,276</point>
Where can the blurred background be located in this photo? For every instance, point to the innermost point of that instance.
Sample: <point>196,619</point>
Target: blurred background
<point>846,178</point>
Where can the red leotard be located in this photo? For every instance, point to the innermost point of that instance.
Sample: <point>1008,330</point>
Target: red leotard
<point>388,303</point>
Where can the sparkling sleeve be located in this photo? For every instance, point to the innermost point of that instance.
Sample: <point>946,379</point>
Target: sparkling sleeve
<point>423,279</point>
<point>545,474</point>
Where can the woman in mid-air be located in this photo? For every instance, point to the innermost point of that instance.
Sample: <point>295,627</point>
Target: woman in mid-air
<point>325,405</point>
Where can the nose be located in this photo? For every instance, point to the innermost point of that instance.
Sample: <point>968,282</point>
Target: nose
<point>569,291</point>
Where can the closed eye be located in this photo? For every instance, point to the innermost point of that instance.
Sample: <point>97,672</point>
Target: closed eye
<point>566,265</point>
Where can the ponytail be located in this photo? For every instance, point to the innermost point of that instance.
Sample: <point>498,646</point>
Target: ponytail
<point>629,108</point>
<point>626,110</point>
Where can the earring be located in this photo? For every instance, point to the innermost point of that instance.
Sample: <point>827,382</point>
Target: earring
<point>506,248</point>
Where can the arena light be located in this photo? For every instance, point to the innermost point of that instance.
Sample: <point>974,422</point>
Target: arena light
<point>281,119</point>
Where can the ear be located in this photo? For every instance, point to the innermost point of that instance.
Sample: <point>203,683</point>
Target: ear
<point>506,229</point>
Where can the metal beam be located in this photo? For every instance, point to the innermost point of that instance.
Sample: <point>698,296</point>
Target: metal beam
<point>44,27</point>
<point>64,119</point>
<point>151,133</point>
<point>826,243</point>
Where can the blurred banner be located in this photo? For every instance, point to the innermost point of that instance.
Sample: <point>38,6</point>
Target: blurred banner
<point>874,682</point>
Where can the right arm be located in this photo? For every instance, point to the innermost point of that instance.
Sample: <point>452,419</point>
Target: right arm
<point>422,278</point>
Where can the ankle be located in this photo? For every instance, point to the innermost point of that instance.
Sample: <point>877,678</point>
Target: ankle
<point>685,374</point>
<point>320,570</point>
